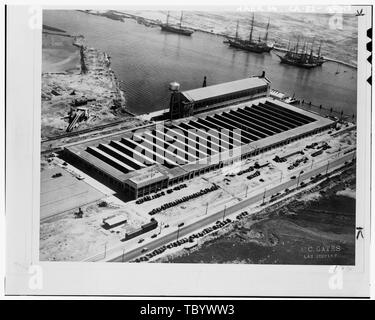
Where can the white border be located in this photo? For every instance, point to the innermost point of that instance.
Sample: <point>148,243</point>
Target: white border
<point>23,158</point>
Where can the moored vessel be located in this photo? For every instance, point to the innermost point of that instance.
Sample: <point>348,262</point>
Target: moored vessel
<point>176,29</point>
<point>301,58</point>
<point>258,46</point>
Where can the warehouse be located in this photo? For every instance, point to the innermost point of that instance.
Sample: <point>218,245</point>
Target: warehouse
<point>188,103</point>
<point>146,160</point>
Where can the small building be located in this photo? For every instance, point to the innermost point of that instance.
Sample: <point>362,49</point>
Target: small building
<point>113,222</point>
<point>153,224</point>
<point>187,103</point>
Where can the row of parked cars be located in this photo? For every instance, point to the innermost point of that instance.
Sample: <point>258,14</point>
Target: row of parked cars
<point>149,198</point>
<point>324,146</point>
<point>183,199</point>
<point>219,224</point>
<point>316,178</point>
<point>249,169</point>
<point>179,187</point>
<point>317,153</point>
<point>160,250</point>
<point>279,160</point>
<point>296,163</point>
<point>160,194</point>
<point>311,146</point>
<point>252,176</point>
<point>177,243</point>
<point>252,168</point>
<point>285,157</point>
<point>275,196</point>
<point>242,215</point>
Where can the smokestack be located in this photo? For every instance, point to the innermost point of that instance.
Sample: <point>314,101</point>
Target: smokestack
<point>263,74</point>
<point>204,82</point>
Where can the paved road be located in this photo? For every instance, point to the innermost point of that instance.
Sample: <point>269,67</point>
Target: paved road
<point>172,236</point>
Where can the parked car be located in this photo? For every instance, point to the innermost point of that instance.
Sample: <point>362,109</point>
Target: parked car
<point>56,175</point>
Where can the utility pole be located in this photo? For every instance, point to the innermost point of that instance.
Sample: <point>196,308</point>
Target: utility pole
<point>247,188</point>
<point>123,255</point>
<point>161,224</point>
<point>281,176</point>
<point>312,163</point>
<point>178,232</point>
<point>327,167</point>
<point>206,208</point>
<point>105,249</point>
<point>225,208</point>
<point>264,194</point>
<point>298,179</point>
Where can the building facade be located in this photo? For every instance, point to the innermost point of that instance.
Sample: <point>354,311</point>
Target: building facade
<point>188,103</point>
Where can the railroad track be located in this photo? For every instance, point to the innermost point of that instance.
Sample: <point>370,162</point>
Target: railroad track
<point>76,133</point>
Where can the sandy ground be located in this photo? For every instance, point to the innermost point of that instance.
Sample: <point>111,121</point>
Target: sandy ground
<point>187,210</point>
<point>70,239</point>
<point>64,193</point>
<point>63,82</point>
<point>67,238</point>
<point>294,231</point>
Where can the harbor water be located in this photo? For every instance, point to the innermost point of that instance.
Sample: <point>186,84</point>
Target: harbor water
<point>146,60</point>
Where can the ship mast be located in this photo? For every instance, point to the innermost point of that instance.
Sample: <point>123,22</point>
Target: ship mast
<point>311,51</point>
<point>320,46</point>
<point>167,17</point>
<point>237,30</point>
<point>251,30</point>
<point>182,13</point>
<point>297,45</point>
<point>266,36</point>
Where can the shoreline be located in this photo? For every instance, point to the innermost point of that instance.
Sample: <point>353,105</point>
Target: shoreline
<point>93,84</point>
<point>120,16</point>
<point>273,212</point>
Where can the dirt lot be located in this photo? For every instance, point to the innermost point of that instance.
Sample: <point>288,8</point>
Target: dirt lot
<point>67,238</point>
<point>68,81</point>
<point>313,228</point>
<point>187,210</point>
<point>62,193</point>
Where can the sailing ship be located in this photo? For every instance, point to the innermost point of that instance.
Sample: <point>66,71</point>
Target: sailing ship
<point>258,46</point>
<point>301,58</point>
<point>176,29</point>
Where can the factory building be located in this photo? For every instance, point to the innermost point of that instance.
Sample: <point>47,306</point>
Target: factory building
<point>187,103</point>
<point>144,160</point>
